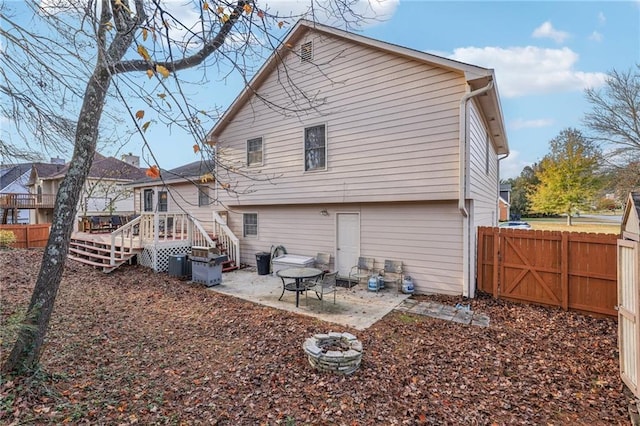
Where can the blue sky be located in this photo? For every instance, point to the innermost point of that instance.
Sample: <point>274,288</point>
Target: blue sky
<point>545,53</point>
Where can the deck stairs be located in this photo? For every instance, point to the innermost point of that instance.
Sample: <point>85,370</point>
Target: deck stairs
<point>110,251</point>
<point>228,265</point>
<point>98,253</point>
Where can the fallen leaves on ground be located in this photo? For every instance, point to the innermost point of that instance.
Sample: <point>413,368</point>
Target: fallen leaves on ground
<point>136,347</point>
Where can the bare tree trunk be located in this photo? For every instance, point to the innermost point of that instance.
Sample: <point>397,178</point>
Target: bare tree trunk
<point>25,354</point>
<point>569,219</point>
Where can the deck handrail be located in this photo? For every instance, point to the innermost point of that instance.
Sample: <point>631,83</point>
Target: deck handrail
<point>125,233</point>
<point>199,237</point>
<point>16,200</point>
<point>157,227</point>
<point>227,238</point>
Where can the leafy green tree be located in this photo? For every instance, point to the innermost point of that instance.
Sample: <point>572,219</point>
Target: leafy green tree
<point>521,189</point>
<point>568,175</point>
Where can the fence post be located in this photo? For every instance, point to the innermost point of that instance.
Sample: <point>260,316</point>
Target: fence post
<point>28,237</point>
<point>496,260</point>
<point>479,257</point>
<point>564,269</point>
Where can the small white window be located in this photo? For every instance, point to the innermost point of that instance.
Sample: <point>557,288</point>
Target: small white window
<point>250,224</point>
<point>254,152</point>
<point>315,148</point>
<point>306,52</point>
<point>163,201</point>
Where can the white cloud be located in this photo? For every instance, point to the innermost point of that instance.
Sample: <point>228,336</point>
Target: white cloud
<point>595,36</point>
<point>520,123</point>
<point>546,30</point>
<point>601,18</point>
<point>512,166</point>
<point>373,11</point>
<point>531,70</point>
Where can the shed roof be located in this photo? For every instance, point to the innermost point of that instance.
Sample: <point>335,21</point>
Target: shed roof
<point>631,217</point>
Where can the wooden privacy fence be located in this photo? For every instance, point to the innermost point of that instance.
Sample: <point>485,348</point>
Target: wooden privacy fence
<point>572,270</point>
<point>29,236</point>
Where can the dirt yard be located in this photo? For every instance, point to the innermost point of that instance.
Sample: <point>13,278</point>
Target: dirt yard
<point>138,347</point>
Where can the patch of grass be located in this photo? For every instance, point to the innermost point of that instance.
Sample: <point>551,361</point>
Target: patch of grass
<point>408,319</point>
<point>561,225</point>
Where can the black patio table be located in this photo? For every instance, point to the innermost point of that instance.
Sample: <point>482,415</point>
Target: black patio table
<point>299,275</point>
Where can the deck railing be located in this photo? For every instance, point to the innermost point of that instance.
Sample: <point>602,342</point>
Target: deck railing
<point>163,227</point>
<point>227,238</point>
<point>125,235</point>
<point>13,200</point>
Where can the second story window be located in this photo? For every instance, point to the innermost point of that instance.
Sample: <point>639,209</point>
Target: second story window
<point>254,152</point>
<point>315,148</point>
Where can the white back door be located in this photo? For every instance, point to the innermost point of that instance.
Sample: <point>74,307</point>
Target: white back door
<point>347,242</point>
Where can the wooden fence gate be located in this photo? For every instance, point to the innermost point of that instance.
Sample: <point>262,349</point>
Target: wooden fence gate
<point>628,315</point>
<point>567,269</point>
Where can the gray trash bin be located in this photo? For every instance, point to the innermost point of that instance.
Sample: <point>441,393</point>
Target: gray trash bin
<point>263,259</point>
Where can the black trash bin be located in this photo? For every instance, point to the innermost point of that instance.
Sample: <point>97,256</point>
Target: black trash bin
<point>263,260</point>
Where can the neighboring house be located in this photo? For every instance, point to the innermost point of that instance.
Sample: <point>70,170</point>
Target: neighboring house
<point>16,203</point>
<point>504,202</point>
<point>105,191</point>
<point>13,179</point>
<point>185,189</point>
<point>399,160</point>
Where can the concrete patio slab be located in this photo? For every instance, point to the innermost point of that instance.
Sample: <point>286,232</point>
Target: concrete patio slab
<point>355,307</point>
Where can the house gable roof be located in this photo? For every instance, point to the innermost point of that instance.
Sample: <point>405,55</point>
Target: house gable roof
<point>477,77</point>
<point>10,173</point>
<point>188,172</point>
<point>107,168</point>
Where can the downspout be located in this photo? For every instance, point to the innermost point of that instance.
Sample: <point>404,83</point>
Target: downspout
<point>462,190</point>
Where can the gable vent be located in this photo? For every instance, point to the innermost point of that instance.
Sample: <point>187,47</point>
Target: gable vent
<point>306,52</point>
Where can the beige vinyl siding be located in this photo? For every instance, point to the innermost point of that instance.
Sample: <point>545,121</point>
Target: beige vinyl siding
<point>483,187</point>
<point>392,131</point>
<point>425,236</point>
<point>183,198</point>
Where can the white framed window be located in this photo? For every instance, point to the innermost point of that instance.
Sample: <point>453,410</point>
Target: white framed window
<point>203,196</point>
<point>163,201</point>
<point>147,200</point>
<point>254,152</point>
<point>315,148</point>
<point>250,224</point>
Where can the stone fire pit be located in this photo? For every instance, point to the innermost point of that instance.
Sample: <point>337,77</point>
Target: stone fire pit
<point>334,352</point>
